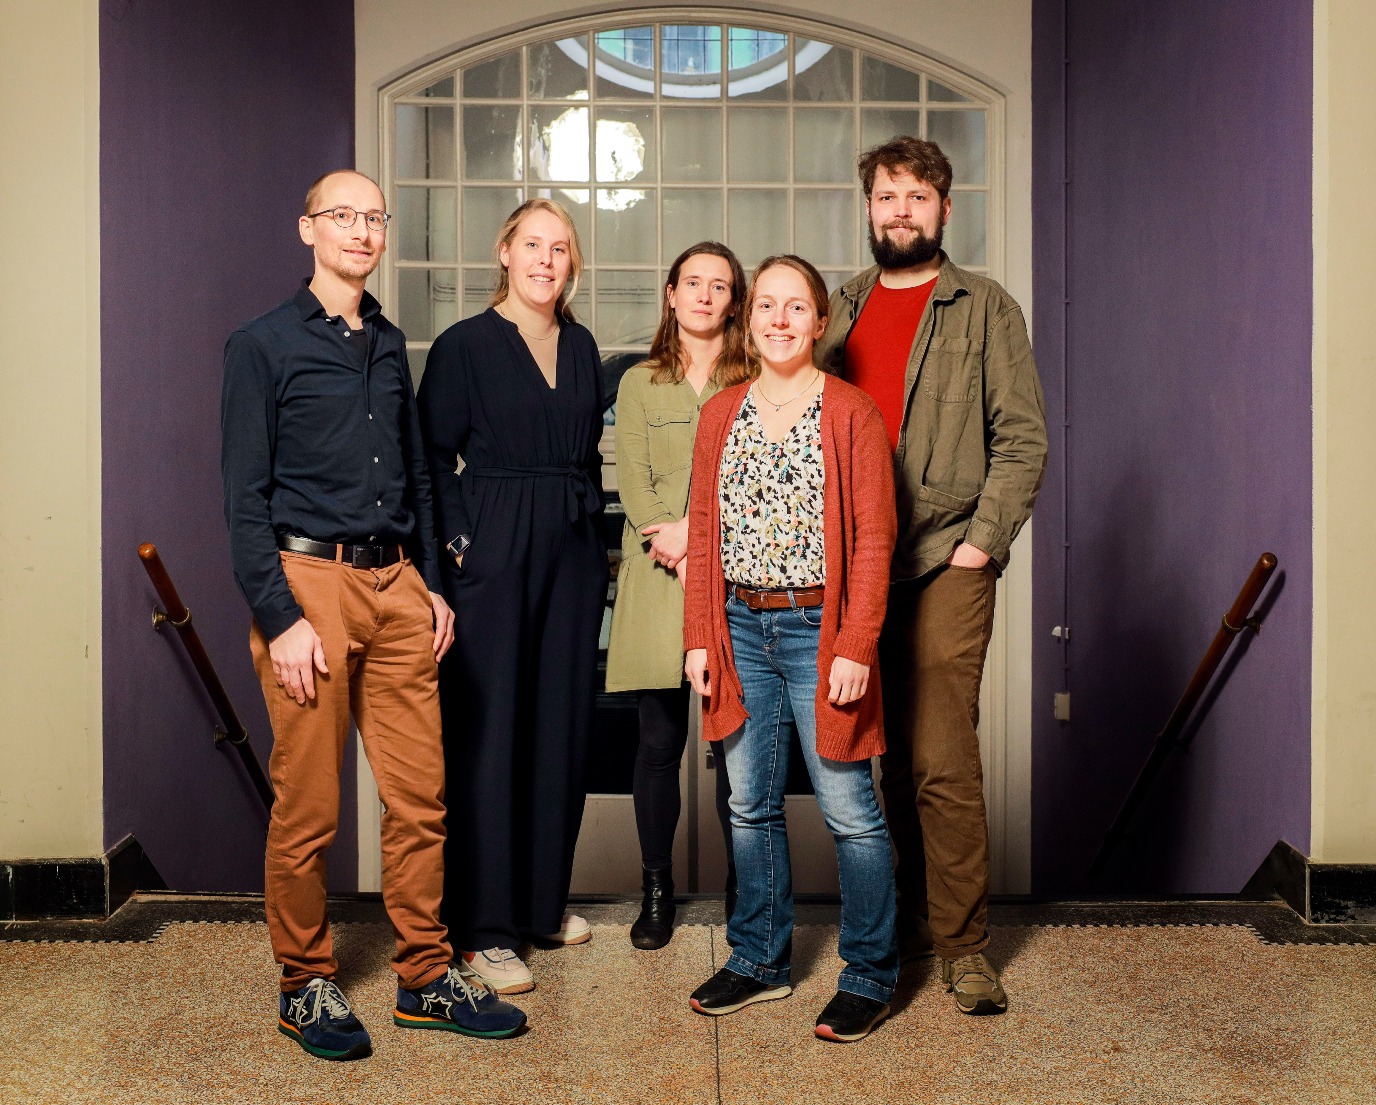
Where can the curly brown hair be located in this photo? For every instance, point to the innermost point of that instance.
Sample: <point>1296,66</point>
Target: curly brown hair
<point>905,154</point>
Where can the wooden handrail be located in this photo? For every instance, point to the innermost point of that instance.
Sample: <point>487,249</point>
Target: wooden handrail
<point>1234,622</point>
<point>175,614</point>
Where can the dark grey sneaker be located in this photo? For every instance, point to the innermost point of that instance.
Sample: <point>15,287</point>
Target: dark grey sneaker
<point>850,1017</point>
<point>726,991</point>
<point>975,983</point>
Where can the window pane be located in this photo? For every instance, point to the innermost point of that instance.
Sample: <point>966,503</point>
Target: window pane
<point>498,79</point>
<point>941,94</point>
<point>689,51</point>
<point>424,226</point>
<point>442,87</point>
<point>425,143</point>
<point>484,212</point>
<point>758,223</point>
<point>426,302</point>
<point>880,80</point>
<point>478,286</point>
<point>626,63</point>
<point>878,125</point>
<point>626,226</point>
<point>578,203</point>
<point>822,71</point>
<point>758,141</point>
<point>692,143</point>
<point>626,143</point>
<point>834,278</point>
<point>559,143</point>
<point>824,225</point>
<point>960,134</point>
<point>559,70</point>
<point>492,143</point>
<point>967,232</point>
<point>627,307</point>
<point>691,215</point>
<point>824,145</point>
<point>758,64</point>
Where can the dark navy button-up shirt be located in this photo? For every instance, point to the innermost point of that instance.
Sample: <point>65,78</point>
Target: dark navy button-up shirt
<point>319,438</point>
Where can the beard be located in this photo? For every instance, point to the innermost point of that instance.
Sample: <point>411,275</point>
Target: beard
<point>890,255</point>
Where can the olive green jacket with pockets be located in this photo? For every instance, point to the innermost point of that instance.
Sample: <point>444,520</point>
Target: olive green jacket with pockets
<point>972,447</point>
<point>655,426</point>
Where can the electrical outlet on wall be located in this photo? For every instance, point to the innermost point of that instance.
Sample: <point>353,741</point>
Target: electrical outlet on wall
<point>1060,705</point>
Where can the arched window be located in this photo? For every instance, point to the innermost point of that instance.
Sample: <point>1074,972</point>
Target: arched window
<point>655,135</point>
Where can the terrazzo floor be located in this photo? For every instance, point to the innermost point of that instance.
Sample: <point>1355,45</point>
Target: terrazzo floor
<point>1121,1015</point>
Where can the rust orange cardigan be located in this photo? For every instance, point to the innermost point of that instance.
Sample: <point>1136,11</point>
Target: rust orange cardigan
<point>859,523</point>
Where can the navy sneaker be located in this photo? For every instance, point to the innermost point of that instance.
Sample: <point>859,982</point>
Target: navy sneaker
<point>453,1004</point>
<point>319,1019</point>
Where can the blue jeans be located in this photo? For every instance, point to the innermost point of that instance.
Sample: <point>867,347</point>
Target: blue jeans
<point>776,659</point>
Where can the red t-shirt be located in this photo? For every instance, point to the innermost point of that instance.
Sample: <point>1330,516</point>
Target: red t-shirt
<point>878,347</point>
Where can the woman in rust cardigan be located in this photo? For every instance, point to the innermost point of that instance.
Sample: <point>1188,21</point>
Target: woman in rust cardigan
<point>792,525</point>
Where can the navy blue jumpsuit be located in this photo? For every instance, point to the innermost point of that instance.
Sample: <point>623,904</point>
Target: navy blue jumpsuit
<point>516,689</point>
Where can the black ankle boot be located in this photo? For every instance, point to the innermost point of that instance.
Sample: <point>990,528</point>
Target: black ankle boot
<point>655,925</point>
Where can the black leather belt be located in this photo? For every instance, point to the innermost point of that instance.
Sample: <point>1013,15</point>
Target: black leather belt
<point>356,556</point>
<point>777,598</point>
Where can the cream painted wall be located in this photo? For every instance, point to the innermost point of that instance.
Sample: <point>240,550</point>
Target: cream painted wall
<point>992,41</point>
<point>50,687</point>
<point>1344,706</point>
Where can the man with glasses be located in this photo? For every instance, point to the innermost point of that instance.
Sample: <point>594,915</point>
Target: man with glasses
<point>327,498</point>
<point>944,354</point>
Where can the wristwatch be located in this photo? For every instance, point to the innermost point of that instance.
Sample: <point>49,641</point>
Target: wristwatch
<point>459,546</point>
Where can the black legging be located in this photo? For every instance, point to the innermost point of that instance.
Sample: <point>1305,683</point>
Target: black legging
<point>663,735</point>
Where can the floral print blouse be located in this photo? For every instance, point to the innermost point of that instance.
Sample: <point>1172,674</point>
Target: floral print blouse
<point>771,501</point>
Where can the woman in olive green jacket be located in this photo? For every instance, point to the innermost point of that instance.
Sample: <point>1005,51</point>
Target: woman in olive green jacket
<point>698,349</point>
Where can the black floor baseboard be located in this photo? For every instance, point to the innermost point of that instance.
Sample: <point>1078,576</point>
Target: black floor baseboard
<point>1321,893</point>
<point>94,887</point>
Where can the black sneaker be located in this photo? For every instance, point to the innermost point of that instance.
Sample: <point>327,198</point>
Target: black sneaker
<point>726,991</point>
<point>849,1017</point>
<point>453,1004</point>
<point>319,1019</point>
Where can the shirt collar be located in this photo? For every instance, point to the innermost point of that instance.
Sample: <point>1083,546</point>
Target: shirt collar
<point>950,281</point>
<point>310,307</point>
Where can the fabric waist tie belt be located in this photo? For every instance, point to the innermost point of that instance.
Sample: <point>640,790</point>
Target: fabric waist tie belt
<point>356,556</point>
<point>777,598</point>
<point>581,492</point>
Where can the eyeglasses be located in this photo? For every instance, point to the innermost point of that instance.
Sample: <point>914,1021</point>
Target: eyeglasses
<point>345,217</point>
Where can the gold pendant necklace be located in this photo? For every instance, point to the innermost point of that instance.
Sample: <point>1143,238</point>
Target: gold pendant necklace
<point>780,406</point>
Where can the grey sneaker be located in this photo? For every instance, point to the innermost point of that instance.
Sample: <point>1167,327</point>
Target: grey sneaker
<point>975,983</point>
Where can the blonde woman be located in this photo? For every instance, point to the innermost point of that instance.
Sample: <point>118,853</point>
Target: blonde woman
<point>516,393</point>
<point>698,349</point>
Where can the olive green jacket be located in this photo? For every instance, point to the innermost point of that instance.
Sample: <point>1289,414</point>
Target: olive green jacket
<point>972,446</point>
<point>655,427</point>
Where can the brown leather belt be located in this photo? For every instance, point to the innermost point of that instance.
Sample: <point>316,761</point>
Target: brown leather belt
<point>777,598</point>
<point>356,556</point>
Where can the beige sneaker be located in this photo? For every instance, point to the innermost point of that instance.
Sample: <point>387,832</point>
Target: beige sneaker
<point>573,929</point>
<point>501,970</point>
<point>975,983</point>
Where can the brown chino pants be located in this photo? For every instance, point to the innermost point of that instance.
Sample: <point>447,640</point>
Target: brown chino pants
<point>936,633</point>
<point>377,630</point>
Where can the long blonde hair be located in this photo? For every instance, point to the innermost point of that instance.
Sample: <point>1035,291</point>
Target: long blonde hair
<point>666,355</point>
<point>507,235</point>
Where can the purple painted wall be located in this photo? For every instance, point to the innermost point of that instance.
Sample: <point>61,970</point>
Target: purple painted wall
<point>213,121</point>
<point>1184,367</point>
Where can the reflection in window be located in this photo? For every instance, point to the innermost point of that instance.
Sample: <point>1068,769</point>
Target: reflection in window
<point>655,136</point>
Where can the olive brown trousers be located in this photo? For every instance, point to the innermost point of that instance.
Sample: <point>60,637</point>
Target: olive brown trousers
<point>932,649</point>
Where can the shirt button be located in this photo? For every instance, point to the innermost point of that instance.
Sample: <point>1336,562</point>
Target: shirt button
<point>375,460</point>
<point>379,502</point>
<point>348,333</point>
<point>370,418</point>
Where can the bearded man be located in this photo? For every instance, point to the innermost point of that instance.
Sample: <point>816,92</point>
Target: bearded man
<point>944,353</point>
